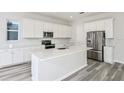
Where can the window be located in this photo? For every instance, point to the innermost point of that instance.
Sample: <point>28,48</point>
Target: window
<point>12,30</point>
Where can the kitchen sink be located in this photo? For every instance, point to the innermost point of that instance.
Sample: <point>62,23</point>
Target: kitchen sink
<point>61,48</point>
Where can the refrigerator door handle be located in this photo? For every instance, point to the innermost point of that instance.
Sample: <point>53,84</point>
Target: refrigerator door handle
<point>94,40</point>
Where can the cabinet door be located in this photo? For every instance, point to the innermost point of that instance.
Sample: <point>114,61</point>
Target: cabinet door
<point>45,27</point>
<point>56,28</point>
<point>5,58</point>
<point>66,32</point>
<point>50,27</point>
<point>27,54</point>
<point>109,28</point>
<point>86,26</point>
<point>28,28</point>
<point>100,25</point>
<point>108,55</point>
<point>62,31</point>
<point>92,26</point>
<point>39,27</point>
<point>17,56</point>
<point>69,31</point>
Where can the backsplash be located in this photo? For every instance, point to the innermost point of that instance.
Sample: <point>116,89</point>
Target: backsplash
<point>60,42</point>
<point>34,42</point>
<point>20,43</point>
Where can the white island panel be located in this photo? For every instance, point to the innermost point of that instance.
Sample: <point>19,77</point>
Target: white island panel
<point>58,68</point>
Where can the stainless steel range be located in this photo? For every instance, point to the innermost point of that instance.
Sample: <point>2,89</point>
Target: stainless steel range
<point>96,40</point>
<point>48,44</point>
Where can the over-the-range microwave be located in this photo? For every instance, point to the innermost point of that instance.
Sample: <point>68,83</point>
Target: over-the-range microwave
<point>48,34</point>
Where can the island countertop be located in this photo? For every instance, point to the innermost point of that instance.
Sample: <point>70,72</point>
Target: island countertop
<point>46,54</point>
<point>54,64</point>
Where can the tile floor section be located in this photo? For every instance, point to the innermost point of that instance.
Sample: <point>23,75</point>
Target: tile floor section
<point>95,71</point>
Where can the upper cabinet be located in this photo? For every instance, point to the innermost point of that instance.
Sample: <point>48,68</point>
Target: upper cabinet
<point>38,29</point>
<point>109,28</point>
<point>28,28</point>
<point>102,25</point>
<point>62,31</point>
<point>90,26</point>
<point>34,29</point>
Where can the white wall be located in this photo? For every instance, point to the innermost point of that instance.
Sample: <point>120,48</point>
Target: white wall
<point>117,42</point>
<point>4,16</point>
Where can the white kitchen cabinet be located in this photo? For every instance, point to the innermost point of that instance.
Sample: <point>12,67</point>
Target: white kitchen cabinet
<point>28,28</point>
<point>34,29</point>
<point>62,31</point>
<point>49,27</point>
<point>109,28</point>
<point>17,55</point>
<point>26,54</point>
<point>10,57</point>
<point>45,27</point>
<point>5,58</point>
<point>100,25</point>
<point>86,27</point>
<point>55,30</point>
<point>108,55</point>
<point>38,30</point>
<point>67,31</point>
<point>92,26</point>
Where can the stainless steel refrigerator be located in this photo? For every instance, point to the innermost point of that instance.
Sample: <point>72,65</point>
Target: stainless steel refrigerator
<point>96,40</point>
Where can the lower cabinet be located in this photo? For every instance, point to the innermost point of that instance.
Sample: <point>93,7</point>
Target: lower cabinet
<point>5,58</point>
<point>108,55</point>
<point>26,54</point>
<point>17,55</point>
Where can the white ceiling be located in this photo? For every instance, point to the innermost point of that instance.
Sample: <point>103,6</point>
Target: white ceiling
<point>66,15</point>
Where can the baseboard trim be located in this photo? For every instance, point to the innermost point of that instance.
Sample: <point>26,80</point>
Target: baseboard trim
<point>118,61</point>
<point>68,74</point>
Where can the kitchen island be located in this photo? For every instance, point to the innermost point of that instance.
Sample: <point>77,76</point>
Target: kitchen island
<point>56,65</point>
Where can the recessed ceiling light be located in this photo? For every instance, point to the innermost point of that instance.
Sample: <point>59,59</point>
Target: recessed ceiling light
<point>71,16</point>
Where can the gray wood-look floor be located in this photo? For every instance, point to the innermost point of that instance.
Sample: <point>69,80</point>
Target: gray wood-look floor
<point>99,71</point>
<point>21,72</point>
<point>95,71</point>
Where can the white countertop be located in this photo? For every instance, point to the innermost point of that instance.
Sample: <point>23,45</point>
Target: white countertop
<point>53,53</point>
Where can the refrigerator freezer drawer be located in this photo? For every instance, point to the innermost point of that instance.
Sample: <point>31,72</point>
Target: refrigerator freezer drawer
<point>95,55</point>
